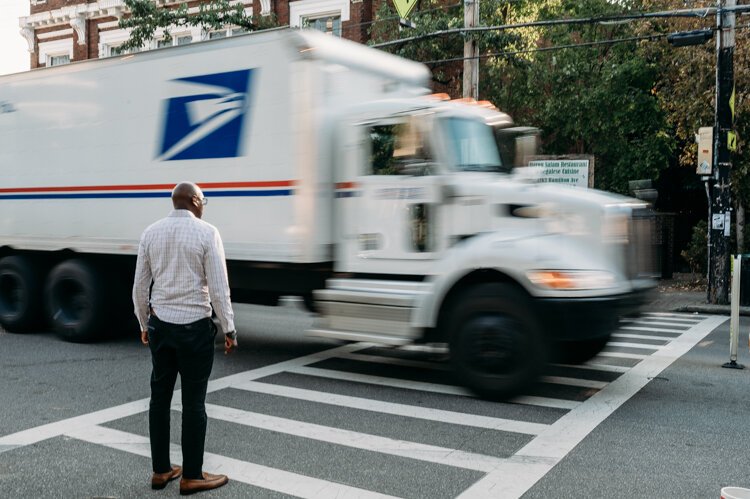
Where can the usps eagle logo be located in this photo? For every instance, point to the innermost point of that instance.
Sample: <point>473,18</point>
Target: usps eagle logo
<point>208,118</point>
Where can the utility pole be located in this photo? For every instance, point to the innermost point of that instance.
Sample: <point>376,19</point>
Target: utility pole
<point>471,51</point>
<point>720,215</point>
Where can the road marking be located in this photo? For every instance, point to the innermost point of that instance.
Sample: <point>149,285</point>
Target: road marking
<point>654,329</point>
<point>433,365</point>
<point>422,386</point>
<point>546,402</point>
<point>356,440</point>
<point>596,367</point>
<point>257,475</point>
<point>540,455</point>
<point>677,316</point>
<point>382,381</point>
<point>620,355</point>
<point>51,430</point>
<point>649,323</point>
<point>395,361</point>
<point>582,383</point>
<point>661,339</point>
<point>439,415</point>
<point>640,346</point>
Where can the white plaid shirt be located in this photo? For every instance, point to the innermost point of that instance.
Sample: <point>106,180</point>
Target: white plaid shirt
<point>184,257</point>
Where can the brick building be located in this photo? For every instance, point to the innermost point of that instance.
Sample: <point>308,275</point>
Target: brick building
<point>61,31</point>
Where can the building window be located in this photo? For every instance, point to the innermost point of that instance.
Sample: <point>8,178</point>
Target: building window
<point>330,24</point>
<point>224,33</point>
<point>324,15</point>
<point>182,39</point>
<point>116,50</point>
<point>57,60</point>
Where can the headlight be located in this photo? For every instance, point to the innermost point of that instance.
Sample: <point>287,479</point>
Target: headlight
<point>571,280</point>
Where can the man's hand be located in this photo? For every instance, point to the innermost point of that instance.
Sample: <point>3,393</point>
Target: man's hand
<point>229,344</point>
<point>144,337</point>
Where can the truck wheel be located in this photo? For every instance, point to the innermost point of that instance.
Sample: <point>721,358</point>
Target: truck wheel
<point>496,344</point>
<point>578,352</point>
<point>75,298</point>
<point>20,294</point>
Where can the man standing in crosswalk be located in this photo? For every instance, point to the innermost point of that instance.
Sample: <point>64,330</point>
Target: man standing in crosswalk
<point>180,273</point>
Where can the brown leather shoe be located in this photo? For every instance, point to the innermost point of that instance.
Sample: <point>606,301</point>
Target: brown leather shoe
<point>160,480</point>
<point>191,485</point>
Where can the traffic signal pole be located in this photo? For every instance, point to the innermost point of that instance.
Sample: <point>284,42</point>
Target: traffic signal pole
<point>720,211</point>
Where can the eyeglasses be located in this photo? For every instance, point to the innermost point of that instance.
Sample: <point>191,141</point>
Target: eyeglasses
<point>204,201</point>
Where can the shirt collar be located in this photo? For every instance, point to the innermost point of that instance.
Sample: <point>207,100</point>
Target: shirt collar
<point>182,214</point>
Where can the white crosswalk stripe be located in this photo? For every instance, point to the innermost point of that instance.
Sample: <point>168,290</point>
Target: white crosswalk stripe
<point>410,411</point>
<point>412,450</point>
<point>654,329</point>
<point>241,471</point>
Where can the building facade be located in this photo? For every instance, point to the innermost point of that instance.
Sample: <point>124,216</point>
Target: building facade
<point>62,31</point>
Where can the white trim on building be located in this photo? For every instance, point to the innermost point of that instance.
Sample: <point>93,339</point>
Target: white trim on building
<point>316,8</point>
<point>55,48</point>
<point>55,34</point>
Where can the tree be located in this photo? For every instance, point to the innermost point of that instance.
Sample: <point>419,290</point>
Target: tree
<point>146,17</point>
<point>588,100</point>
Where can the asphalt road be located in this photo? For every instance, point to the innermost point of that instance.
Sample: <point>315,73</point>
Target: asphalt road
<point>297,416</point>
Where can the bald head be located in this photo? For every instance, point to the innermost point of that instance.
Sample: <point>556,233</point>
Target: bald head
<point>188,196</point>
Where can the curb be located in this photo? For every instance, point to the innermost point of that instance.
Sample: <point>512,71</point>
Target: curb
<point>710,309</point>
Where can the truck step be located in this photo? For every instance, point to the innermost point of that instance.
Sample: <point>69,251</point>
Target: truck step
<point>353,336</point>
<point>367,310</point>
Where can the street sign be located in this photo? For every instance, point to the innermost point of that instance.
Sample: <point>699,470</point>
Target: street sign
<point>731,104</point>
<point>404,7</point>
<point>573,172</point>
<point>705,150</point>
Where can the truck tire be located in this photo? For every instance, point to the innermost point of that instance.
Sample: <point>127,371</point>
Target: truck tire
<point>578,352</point>
<point>497,346</point>
<point>76,301</point>
<point>20,294</point>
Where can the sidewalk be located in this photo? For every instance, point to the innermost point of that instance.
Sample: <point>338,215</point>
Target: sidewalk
<point>685,293</point>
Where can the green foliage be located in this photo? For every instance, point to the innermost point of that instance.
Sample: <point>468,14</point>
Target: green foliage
<point>696,253</point>
<point>590,100</point>
<point>146,17</point>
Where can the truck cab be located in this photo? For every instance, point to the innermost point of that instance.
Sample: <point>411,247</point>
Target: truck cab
<point>439,240</point>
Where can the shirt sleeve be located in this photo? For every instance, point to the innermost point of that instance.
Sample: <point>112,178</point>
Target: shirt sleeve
<point>142,284</point>
<point>218,283</point>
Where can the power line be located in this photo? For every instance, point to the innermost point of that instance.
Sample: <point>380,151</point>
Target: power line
<point>566,46</point>
<point>694,13</point>
<point>549,49</point>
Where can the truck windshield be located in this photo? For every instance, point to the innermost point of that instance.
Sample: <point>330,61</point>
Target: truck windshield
<point>472,146</point>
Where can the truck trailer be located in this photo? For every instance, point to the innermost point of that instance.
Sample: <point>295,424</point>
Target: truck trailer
<point>332,175</point>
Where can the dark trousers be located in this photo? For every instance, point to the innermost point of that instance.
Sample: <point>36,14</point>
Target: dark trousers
<point>188,350</point>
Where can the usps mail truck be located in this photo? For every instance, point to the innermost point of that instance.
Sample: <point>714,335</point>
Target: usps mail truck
<point>331,176</point>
